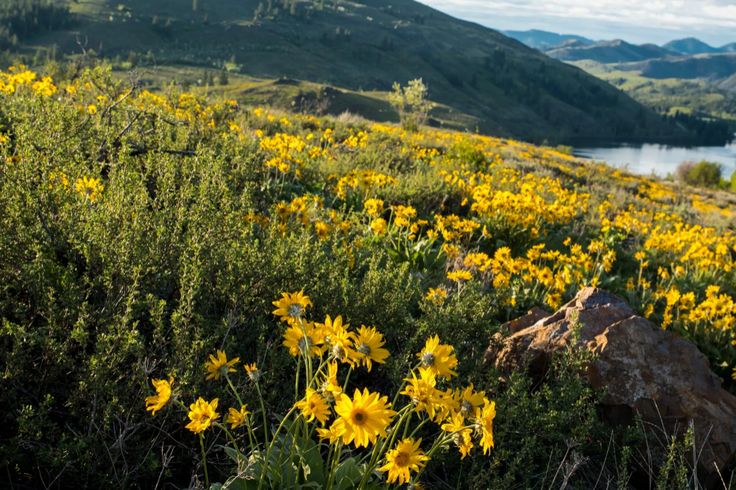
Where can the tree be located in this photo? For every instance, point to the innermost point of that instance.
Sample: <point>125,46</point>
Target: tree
<point>411,103</point>
<point>224,79</point>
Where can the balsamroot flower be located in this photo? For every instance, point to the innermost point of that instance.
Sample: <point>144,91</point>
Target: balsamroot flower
<point>369,345</point>
<point>219,365</point>
<point>406,457</point>
<point>89,188</point>
<point>202,414</point>
<point>254,374</point>
<point>423,393</point>
<point>440,358</point>
<point>461,432</point>
<point>237,418</point>
<point>314,406</point>
<point>485,421</point>
<point>292,306</point>
<point>306,339</point>
<point>158,401</point>
<point>363,418</point>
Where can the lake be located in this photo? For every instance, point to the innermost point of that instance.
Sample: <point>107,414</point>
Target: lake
<point>661,160</point>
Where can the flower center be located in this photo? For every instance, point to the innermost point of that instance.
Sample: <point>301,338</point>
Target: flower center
<point>338,352</point>
<point>364,349</point>
<point>359,417</point>
<point>466,406</point>
<point>295,310</point>
<point>401,459</point>
<point>427,359</point>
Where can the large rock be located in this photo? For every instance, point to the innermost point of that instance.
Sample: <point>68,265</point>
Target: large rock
<point>644,370</point>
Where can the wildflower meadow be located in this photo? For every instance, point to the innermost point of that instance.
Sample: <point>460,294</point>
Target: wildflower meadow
<point>200,294</point>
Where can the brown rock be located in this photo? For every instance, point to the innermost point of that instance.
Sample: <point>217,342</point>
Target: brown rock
<point>644,370</point>
<point>532,317</point>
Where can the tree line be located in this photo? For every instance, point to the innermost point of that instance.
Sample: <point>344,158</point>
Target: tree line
<point>21,19</point>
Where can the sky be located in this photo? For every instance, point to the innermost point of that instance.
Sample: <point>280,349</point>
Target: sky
<point>639,21</point>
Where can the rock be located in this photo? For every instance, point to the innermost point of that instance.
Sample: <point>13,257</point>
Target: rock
<point>532,317</point>
<point>643,369</point>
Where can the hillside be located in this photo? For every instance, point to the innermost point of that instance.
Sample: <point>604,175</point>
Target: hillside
<point>668,79</point>
<point>689,46</point>
<point>713,66</point>
<point>193,292</point>
<point>544,40</point>
<point>712,100</point>
<point>616,51</point>
<point>508,88</point>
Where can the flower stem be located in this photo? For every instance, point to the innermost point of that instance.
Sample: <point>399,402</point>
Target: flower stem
<point>204,461</point>
<point>263,414</point>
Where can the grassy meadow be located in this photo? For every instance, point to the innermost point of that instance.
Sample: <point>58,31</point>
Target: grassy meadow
<point>199,292</point>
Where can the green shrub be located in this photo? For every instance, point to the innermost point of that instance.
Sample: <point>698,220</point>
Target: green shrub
<point>703,173</point>
<point>411,103</point>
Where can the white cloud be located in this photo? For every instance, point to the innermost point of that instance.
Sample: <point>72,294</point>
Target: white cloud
<point>655,19</point>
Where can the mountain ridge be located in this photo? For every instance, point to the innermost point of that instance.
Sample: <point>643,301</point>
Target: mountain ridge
<point>690,45</point>
<point>544,40</point>
<point>614,51</point>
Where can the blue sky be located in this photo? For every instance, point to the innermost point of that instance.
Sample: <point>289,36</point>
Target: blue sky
<point>640,21</point>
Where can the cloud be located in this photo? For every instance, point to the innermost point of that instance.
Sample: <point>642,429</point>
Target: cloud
<point>710,17</point>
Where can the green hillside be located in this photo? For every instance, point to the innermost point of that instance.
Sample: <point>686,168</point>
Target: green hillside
<point>693,96</point>
<point>711,66</point>
<point>616,51</point>
<point>502,86</point>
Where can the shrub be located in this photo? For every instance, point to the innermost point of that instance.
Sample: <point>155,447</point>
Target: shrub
<point>703,173</point>
<point>411,103</point>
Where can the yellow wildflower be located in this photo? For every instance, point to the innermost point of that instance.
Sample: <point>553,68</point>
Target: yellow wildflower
<point>219,365</point>
<point>405,458</point>
<point>158,401</point>
<point>363,418</point>
<point>314,406</point>
<point>291,306</point>
<point>202,414</point>
<point>237,418</point>
<point>440,358</point>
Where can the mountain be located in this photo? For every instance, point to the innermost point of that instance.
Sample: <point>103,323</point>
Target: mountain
<point>544,40</point>
<point>510,89</point>
<point>728,48</point>
<point>729,84</point>
<point>709,66</point>
<point>690,45</point>
<point>616,51</point>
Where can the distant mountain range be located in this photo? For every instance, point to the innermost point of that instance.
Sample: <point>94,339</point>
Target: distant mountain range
<point>687,58</point>
<point>551,41</point>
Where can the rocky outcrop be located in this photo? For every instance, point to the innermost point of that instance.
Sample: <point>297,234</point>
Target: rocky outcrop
<point>643,369</point>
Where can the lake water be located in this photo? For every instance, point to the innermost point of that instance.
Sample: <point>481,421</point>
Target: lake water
<point>660,159</point>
